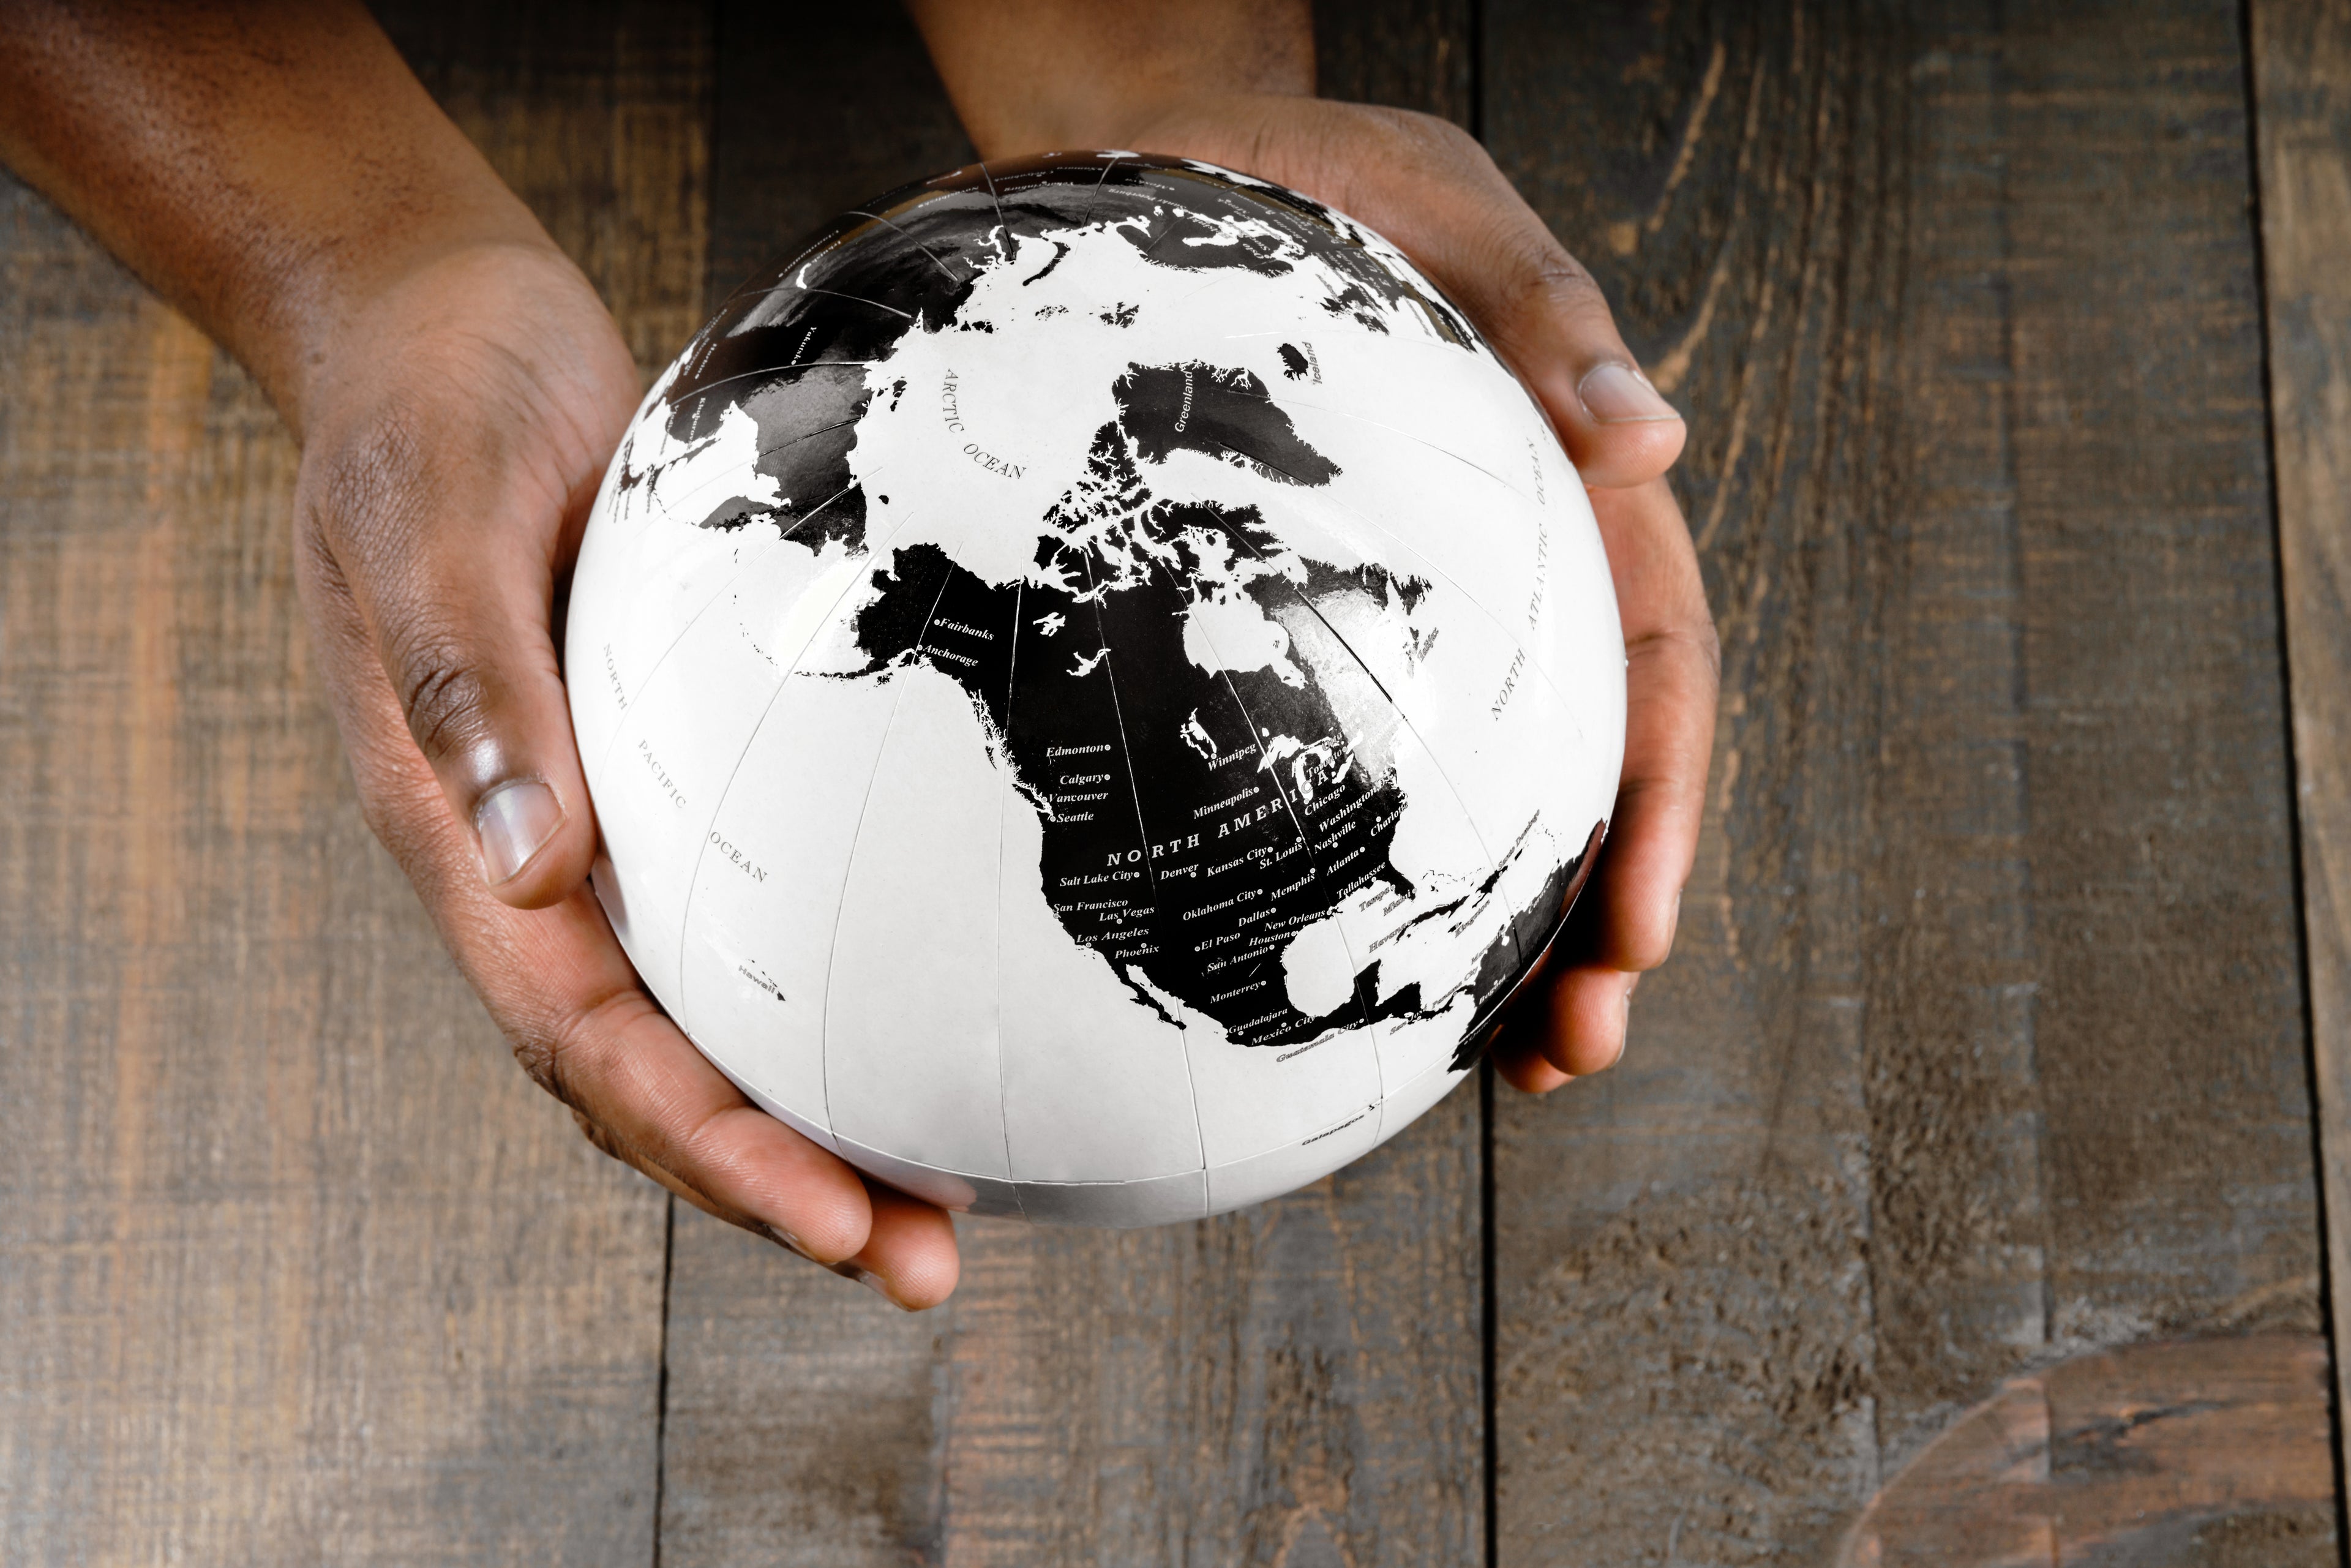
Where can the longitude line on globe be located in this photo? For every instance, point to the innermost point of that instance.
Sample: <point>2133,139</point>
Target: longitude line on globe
<point>918,245</point>
<point>1397,431</point>
<point>1404,718</point>
<point>1004,804</point>
<point>1489,1307</point>
<point>1002,221</point>
<point>856,836</point>
<point>783,684</point>
<point>1093,198</point>
<point>1305,839</point>
<point>1468,598</point>
<point>733,577</point>
<point>1126,752</point>
<point>1191,1084</point>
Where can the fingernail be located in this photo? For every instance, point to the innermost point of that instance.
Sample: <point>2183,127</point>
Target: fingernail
<point>872,1281</point>
<point>514,821</point>
<point>1619,395</point>
<point>783,1238</point>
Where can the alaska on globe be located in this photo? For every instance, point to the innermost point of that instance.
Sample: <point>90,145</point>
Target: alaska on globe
<point>1097,683</point>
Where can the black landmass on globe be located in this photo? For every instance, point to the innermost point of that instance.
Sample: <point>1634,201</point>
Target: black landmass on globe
<point>1194,821</point>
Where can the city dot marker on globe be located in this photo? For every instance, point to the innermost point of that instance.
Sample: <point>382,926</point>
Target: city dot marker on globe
<point>1096,684</point>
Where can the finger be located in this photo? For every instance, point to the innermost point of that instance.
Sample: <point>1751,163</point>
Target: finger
<point>1430,188</point>
<point>1671,680</point>
<point>1522,1065</point>
<point>910,1258</point>
<point>1571,1019</point>
<point>450,563</point>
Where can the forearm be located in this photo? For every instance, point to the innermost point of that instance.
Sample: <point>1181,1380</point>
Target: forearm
<point>269,168</point>
<point>1037,76</point>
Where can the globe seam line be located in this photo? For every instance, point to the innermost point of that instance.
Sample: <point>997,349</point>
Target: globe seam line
<point>1468,598</point>
<point>1004,792</point>
<point>1305,839</point>
<point>686,913</point>
<point>718,593</point>
<point>918,245</point>
<point>1126,754</point>
<point>848,875</point>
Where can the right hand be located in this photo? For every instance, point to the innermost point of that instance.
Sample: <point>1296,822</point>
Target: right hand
<point>455,430</point>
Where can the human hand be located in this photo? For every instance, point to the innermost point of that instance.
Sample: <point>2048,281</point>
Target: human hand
<point>1431,189</point>
<point>457,388</point>
<point>456,428</point>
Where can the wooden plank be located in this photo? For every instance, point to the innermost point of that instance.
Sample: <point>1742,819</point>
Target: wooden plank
<point>1405,54</point>
<point>297,1266</point>
<point>1983,1043</point>
<point>1297,1383</point>
<point>2302,73</point>
<point>2198,1451</point>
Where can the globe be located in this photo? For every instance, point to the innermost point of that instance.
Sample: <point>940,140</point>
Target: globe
<point>1097,684</point>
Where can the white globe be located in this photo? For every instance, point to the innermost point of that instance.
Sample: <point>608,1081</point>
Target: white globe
<point>1097,684</point>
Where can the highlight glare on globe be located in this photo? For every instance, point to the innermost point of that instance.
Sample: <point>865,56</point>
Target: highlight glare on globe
<point>1096,684</point>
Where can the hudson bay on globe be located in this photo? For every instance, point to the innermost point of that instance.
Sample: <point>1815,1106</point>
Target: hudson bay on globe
<point>1097,683</point>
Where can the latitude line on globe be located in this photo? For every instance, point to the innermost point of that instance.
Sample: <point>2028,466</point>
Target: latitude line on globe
<point>778,372</point>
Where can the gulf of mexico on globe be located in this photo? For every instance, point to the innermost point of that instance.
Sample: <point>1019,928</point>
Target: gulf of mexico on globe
<point>1096,684</point>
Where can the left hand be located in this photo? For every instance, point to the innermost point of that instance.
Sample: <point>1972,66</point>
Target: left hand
<point>1429,187</point>
<point>1438,196</point>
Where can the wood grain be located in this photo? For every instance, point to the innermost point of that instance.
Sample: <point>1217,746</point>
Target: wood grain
<point>1983,1042</point>
<point>1295,1384</point>
<point>297,1266</point>
<point>2302,73</point>
<point>2187,1452</point>
<point>1405,54</point>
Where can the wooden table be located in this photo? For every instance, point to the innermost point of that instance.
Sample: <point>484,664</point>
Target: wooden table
<point>1959,1201</point>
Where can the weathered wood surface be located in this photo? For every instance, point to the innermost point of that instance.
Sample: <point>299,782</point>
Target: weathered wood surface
<point>1982,1055</point>
<point>2302,75</point>
<point>1984,1045</point>
<point>295,1265</point>
<point>2211,1451</point>
<point>1295,1384</point>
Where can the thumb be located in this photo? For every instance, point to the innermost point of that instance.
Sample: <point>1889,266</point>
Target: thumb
<point>1429,187</point>
<point>460,617</point>
<point>474,668</point>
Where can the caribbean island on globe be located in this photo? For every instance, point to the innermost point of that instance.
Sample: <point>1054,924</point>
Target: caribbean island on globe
<point>1097,683</point>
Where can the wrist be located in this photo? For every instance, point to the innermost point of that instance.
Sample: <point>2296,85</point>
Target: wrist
<point>356,295</point>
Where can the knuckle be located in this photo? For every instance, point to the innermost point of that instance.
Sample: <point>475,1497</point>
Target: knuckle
<point>1545,280</point>
<point>441,690</point>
